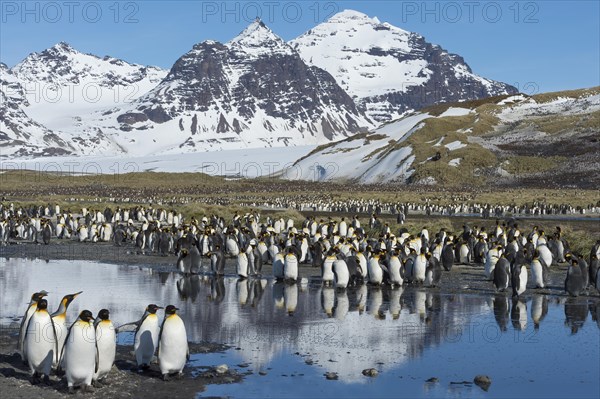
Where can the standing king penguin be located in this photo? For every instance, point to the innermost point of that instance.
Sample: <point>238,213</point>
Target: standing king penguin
<point>146,337</point>
<point>59,318</point>
<point>173,350</point>
<point>40,344</point>
<point>79,360</point>
<point>106,345</point>
<point>28,313</point>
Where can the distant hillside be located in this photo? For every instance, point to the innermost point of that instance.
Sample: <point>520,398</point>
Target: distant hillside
<point>545,140</point>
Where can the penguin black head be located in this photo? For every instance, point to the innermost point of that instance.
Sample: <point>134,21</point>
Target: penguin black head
<point>42,304</point>
<point>103,314</point>
<point>38,295</point>
<point>86,315</point>
<point>152,308</point>
<point>171,309</point>
<point>69,298</point>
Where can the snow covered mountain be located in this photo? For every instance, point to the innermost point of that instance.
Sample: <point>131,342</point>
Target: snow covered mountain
<point>344,77</point>
<point>389,71</point>
<point>254,91</point>
<point>548,140</point>
<point>19,134</point>
<point>46,97</point>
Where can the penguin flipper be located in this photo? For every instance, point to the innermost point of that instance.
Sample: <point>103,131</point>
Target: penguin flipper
<point>133,326</point>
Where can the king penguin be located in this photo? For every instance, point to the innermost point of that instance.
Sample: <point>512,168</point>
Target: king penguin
<point>574,280</point>
<point>518,279</point>
<point>106,345</point>
<point>79,359</point>
<point>59,318</point>
<point>173,350</point>
<point>25,321</point>
<point>40,343</point>
<point>146,337</point>
<point>501,275</point>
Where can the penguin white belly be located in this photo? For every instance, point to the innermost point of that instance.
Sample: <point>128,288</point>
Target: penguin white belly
<point>362,262</point>
<point>278,266</point>
<point>23,330</point>
<point>375,271</point>
<point>264,251</point>
<point>303,250</point>
<point>341,273</point>
<point>146,340</point>
<point>394,268</point>
<point>62,329</point>
<point>327,273</point>
<point>232,247</point>
<point>437,252</point>
<point>80,354</point>
<point>106,342</point>
<point>419,268</point>
<point>545,254</point>
<point>173,347</point>
<point>290,269</point>
<point>40,352</point>
<point>537,274</point>
<point>464,254</point>
<point>242,265</point>
<point>522,280</point>
<point>490,264</point>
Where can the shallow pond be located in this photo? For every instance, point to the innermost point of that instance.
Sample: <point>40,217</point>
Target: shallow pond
<point>540,347</point>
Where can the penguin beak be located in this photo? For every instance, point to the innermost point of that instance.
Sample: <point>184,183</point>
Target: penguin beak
<point>77,293</point>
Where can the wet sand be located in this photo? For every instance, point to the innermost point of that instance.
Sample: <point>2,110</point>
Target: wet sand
<point>127,383</point>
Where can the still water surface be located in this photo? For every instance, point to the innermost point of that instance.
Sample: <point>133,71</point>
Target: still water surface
<point>540,347</point>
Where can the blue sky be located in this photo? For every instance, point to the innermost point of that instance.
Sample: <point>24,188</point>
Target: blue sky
<point>534,45</point>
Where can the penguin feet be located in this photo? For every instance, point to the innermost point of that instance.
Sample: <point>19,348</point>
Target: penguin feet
<point>35,379</point>
<point>166,377</point>
<point>87,388</point>
<point>71,390</point>
<point>144,367</point>
<point>46,380</point>
<point>179,375</point>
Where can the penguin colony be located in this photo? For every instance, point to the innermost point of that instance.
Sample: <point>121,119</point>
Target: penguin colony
<point>346,252</point>
<point>39,223</point>
<point>86,349</point>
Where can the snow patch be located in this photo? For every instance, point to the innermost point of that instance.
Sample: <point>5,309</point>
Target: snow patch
<point>454,162</point>
<point>455,145</point>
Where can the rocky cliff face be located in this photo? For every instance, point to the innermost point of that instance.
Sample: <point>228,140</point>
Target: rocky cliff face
<point>253,89</point>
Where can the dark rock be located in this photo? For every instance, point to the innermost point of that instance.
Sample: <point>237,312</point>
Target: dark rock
<point>370,372</point>
<point>331,375</point>
<point>483,382</point>
<point>432,380</point>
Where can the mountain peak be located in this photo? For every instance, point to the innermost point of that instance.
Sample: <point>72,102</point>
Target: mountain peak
<point>346,15</point>
<point>62,47</point>
<point>258,36</point>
